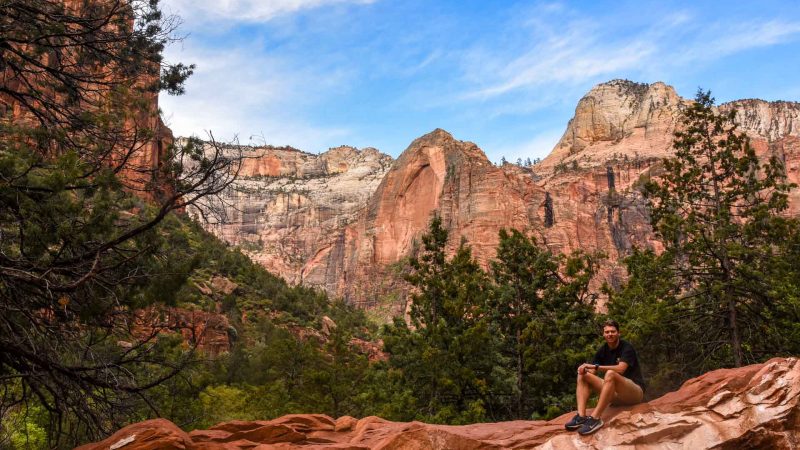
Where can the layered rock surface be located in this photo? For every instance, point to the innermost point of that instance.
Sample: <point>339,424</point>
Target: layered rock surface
<point>756,406</point>
<point>345,231</point>
<point>286,202</point>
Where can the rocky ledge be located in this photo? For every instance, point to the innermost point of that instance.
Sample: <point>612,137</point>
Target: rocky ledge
<point>750,407</point>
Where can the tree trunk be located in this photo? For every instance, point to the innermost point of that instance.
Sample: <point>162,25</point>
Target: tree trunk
<point>736,342</point>
<point>520,384</point>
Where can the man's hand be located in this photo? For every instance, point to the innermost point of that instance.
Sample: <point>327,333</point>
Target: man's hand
<point>585,368</point>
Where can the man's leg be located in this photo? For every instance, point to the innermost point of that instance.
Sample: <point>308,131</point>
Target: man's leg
<point>587,383</point>
<point>615,386</point>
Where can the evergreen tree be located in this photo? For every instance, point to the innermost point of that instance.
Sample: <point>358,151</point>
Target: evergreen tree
<point>342,375</point>
<point>664,337</point>
<point>450,359</point>
<point>77,248</point>
<point>718,211</point>
<point>543,307</point>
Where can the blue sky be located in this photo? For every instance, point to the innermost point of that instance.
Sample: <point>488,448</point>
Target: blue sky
<point>506,75</point>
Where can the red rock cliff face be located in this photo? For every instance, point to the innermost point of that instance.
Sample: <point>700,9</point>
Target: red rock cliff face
<point>141,141</point>
<point>287,204</point>
<point>584,195</point>
<point>437,174</point>
<point>620,133</point>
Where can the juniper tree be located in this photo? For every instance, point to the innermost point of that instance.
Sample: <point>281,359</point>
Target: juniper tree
<point>450,357</point>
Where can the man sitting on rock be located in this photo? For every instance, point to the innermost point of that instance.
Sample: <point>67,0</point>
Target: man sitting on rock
<point>622,383</point>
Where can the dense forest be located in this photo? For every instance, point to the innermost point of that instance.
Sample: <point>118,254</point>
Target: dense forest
<point>89,240</point>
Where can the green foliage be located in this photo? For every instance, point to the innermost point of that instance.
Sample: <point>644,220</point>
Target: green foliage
<point>718,212</point>
<point>489,348</point>
<point>223,403</point>
<point>653,321</point>
<point>271,370</point>
<point>724,291</point>
<point>81,200</point>
<point>24,428</point>
<point>542,305</point>
<point>450,359</point>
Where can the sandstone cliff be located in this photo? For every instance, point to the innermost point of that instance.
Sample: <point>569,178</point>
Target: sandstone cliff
<point>287,202</point>
<point>756,406</point>
<point>346,232</point>
<point>40,98</point>
<point>619,135</point>
<point>436,174</point>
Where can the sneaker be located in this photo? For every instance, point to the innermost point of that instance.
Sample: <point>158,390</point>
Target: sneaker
<point>590,425</point>
<point>576,422</point>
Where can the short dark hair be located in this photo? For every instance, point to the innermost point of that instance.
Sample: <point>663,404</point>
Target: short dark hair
<point>611,323</point>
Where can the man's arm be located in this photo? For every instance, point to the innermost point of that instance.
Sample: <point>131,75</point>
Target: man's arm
<point>593,368</point>
<point>619,368</point>
<point>590,367</point>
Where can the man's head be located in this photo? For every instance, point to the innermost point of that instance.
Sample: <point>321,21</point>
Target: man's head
<point>611,332</point>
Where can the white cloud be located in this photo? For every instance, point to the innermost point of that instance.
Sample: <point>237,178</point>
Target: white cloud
<point>566,64</point>
<point>562,50</point>
<point>248,10</point>
<point>289,90</point>
<point>243,93</point>
<point>727,39</point>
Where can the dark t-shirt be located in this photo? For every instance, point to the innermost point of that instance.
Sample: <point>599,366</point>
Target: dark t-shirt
<point>624,352</point>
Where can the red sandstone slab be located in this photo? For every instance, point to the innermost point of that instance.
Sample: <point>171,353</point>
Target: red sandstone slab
<point>756,406</point>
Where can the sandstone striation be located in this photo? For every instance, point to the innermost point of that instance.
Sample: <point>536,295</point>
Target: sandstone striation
<point>618,119</point>
<point>286,202</point>
<point>757,406</point>
<point>437,174</point>
<point>619,135</point>
<point>343,220</point>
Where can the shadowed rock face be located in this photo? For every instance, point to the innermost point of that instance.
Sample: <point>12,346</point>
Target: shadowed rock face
<point>348,236</point>
<point>144,138</point>
<point>756,406</point>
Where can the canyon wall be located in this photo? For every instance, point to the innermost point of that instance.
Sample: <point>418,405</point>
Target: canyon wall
<point>72,90</point>
<point>287,203</point>
<point>344,220</point>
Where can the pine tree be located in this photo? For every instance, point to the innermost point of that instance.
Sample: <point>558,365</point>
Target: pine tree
<point>718,211</point>
<point>450,358</point>
<point>78,137</point>
<point>543,307</point>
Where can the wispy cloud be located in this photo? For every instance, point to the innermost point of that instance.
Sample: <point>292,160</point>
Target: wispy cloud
<point>317,73</point>
<point>566,50</point>
<point>251,96</point>
<point>249,10</point>
<point>723,39</point>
